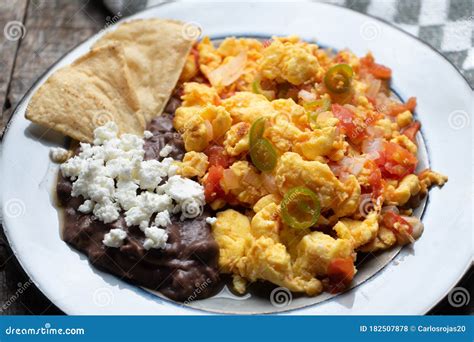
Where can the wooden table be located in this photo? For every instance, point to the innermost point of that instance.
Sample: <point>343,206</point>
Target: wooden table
<point>54,27</point>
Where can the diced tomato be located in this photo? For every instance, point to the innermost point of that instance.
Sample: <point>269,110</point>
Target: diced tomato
<point>375,180</point>
<point>212,187</point>
<point>348,122</point>
<point>401,107</point>
<point>217,156</point>
<point>396,161</point>
<point>390,220</point>
<point>367,60</point>
<point>377,70</point>
<point>380,71</point>
<point>340,273</point>
<point>411,130</point>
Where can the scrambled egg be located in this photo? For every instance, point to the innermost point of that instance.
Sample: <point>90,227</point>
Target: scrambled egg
<point>406,143</point>
<point>248,107</point>
<point>253,250</point>
<point>194,164</point>
<point>428,178</point>
<point>290,61</point>
<point>385,239</point>
<point>404,119</point>
<point>359,232</point>
<point>331,145</point>
<point>318,143</point>
<point>197,94</point>
<point>232,233</point>
<point>211,59</point>
<point>292,170</point>
<point>200,119</point>
<point>236,139</point>
<point>408,187</point>
<point>250,183</point>
<point>316,250</point>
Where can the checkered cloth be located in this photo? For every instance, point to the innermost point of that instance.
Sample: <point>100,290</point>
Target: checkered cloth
<point>446,25</point>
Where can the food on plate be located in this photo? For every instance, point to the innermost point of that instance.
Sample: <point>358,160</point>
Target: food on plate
<point>127,78</point>
<point>129,211</point>
<point>273,161</point>
<point>155,51</point>
<point>80,97</point>
<point>310,160</point>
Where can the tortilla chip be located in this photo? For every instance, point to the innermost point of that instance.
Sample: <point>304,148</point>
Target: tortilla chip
<point>155,51</point>
<point>94,89</point>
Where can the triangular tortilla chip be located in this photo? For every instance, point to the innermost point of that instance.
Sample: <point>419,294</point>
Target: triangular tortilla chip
<point>95,89</point>
<point>155,50</point>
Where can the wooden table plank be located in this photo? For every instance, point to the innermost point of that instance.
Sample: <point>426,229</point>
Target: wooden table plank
<point>12,14</point>
<point>53,27</point>
<point>38,52</point>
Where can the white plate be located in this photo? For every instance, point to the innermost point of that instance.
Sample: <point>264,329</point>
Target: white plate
<point>412,283</point>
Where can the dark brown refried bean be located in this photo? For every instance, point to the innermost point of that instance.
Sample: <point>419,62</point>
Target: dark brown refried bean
<point>186,269</point>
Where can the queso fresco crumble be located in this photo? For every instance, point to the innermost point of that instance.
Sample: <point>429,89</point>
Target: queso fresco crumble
<point>112,176</point>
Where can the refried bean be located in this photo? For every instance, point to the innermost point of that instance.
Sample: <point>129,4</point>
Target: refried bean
<point>186,269</point>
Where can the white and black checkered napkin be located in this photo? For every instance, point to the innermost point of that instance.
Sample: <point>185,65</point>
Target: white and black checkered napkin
<point>446,25</point>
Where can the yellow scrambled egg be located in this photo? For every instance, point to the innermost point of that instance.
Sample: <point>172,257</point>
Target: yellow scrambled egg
<point>290,60</point>
<point>356,153</point>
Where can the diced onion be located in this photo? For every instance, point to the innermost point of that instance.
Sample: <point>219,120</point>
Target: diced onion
<point>306,96</point>
<point>382,103</point>
<point>269,182</point>
<point>228,72</point>
<point>375,132</point>
<point>357,167</point>
<point>416,224</point>
<point>353,165</point>
<point>374,88</point>
<point>230,180</point>
<point>252,179</point>
<point>372,145</point>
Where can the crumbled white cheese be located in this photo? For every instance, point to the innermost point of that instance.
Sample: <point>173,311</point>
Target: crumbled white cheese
<point>165,151</point>
<point>171,165</point>
<point>86,207</point>
<point>148,203</point>
<point>155,238</point>
<point>150,174</point>
<point>126,193</point>
<point>163,219</point>
<point>106,211</point>
<point>181,189</point>
<point>105,132</point>
<point>72,167</point>
<point>113,177</point>
<point>211,220</point>
<point>114,238</point>
<point>147,134</point>
<point>58,154</point>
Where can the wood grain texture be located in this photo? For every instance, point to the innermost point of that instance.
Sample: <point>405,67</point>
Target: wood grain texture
<point>53,27</point>
<point>12,15</point>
